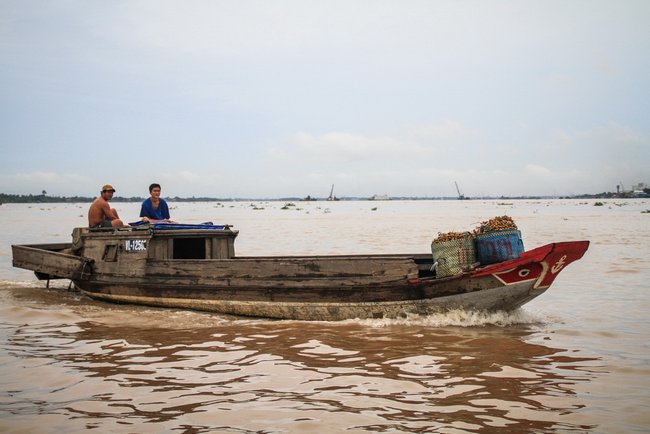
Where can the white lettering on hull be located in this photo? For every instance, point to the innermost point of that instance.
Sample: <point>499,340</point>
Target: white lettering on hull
<point>135,245</point>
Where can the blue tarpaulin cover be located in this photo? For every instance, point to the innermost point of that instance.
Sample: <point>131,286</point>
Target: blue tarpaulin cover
<point>171,226</point>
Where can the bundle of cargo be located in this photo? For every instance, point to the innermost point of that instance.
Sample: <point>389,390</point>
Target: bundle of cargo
<point>453,253</point>
<point>497,240</point>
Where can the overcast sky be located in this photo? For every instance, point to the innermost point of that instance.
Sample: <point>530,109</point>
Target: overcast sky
<point>284,98</point>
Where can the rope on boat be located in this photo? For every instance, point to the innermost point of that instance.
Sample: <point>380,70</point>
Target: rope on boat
<point>83,270</point>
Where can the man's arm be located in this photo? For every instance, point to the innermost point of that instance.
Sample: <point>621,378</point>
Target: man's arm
<point>144,208</point>
<point>108,212</point>
<point>165,209</point>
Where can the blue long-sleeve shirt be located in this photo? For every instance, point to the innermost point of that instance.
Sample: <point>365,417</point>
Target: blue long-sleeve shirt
<point>147,210</point>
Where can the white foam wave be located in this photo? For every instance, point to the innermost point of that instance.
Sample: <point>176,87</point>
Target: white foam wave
<point>20,283</point>
<point>35,283</point>
<point>459,318</point>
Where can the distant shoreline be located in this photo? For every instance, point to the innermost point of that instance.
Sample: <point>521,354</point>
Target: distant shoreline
<point>43,198</point>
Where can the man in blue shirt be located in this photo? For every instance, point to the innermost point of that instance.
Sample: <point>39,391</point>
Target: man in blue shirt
<point>155,209</point>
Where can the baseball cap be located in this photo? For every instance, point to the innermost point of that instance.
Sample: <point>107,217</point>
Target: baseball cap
<point>108,187</point>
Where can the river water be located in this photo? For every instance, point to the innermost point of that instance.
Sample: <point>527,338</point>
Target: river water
<point>576,359</point>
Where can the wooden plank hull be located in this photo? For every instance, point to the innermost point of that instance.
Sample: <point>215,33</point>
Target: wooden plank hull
<point>323,308</point>
<point>310,288</point>
<point>52,261</point>
<point>502,298</point>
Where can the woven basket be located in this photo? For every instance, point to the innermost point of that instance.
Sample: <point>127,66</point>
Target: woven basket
<point>454,256</point>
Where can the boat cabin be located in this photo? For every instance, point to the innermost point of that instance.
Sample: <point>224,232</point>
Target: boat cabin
<point>155,242</point>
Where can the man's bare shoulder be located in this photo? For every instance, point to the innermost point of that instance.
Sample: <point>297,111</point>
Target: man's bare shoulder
<point>99,202</point>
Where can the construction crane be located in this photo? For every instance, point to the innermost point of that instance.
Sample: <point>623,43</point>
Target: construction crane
<point>331,196</point>
<point>461,196</point>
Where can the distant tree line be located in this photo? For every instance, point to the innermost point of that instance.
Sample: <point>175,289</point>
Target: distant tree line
<point>44,198</point>
<point>610,195</point>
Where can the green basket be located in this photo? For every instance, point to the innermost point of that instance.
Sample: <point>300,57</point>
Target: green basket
<point>454,256</point>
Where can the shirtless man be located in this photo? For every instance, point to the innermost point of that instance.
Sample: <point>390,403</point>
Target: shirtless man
<point>100,215</point>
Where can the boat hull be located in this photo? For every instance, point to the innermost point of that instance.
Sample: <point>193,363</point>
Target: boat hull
<point>506,298</point>
<point>321,288</point>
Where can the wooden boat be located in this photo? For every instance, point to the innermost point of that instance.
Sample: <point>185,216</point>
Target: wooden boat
<point>195,267</point>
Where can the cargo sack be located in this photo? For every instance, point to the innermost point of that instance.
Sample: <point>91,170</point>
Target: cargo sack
<point>453,256</point>
<point>498,246</point>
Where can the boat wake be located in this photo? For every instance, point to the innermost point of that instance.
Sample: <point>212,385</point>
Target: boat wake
<point>459,318</point>
<point>20,284</point>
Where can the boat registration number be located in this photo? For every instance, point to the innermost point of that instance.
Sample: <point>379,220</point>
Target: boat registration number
<point>135,245</point>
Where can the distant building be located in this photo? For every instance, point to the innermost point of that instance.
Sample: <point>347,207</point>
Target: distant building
<point>638,190</point>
